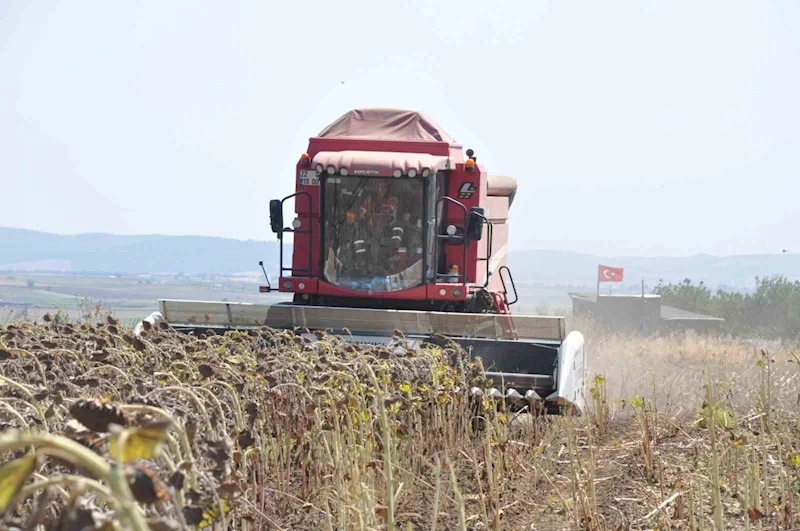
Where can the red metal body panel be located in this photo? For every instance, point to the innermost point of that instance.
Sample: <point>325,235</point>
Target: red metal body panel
<point>304,244</point>
<point>466,188</point>
<point>299,285</point>
<point>313,286</point>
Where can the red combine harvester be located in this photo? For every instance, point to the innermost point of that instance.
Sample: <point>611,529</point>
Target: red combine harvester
<point>395,227</point>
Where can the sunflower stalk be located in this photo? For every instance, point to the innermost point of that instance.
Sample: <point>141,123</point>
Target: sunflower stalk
<point>79,455</point>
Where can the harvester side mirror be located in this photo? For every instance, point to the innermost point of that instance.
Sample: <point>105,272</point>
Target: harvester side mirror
<point>474,224</point>
<point>276,215</point>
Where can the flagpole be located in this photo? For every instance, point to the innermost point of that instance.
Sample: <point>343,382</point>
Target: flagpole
<point>598,284</point>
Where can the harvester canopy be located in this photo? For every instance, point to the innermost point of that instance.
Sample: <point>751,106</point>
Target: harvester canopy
<point>386,124</point>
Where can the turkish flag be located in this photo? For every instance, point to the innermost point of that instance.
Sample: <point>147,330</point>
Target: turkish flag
<point>609,274</point>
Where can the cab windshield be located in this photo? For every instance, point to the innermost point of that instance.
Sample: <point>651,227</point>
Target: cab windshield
<point>374,233</point>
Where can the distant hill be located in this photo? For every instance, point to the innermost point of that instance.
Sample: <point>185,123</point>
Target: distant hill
<point>570,268</point>
<point>22,249</point>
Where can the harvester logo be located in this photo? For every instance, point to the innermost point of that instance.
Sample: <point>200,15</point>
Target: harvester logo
<point>466,191</point>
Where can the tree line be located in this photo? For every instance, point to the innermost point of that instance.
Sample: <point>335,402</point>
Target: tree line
<point>772,310</point>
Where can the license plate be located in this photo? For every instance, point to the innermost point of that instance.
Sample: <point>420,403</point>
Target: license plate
<point>309,178</point>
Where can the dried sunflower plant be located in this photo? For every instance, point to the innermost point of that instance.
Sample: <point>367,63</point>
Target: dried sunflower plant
<point>259,430</point>
<point>103,430</point>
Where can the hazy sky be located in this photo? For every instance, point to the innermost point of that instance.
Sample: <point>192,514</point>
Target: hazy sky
<point>633,127</point>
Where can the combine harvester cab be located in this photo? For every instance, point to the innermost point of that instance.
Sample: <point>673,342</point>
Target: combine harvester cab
<point>396,228</point>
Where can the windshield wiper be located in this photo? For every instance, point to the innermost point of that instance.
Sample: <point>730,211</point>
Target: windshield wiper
<point>358,189</point>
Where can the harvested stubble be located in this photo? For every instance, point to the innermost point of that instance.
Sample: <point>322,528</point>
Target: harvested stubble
<point>266,431</point>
